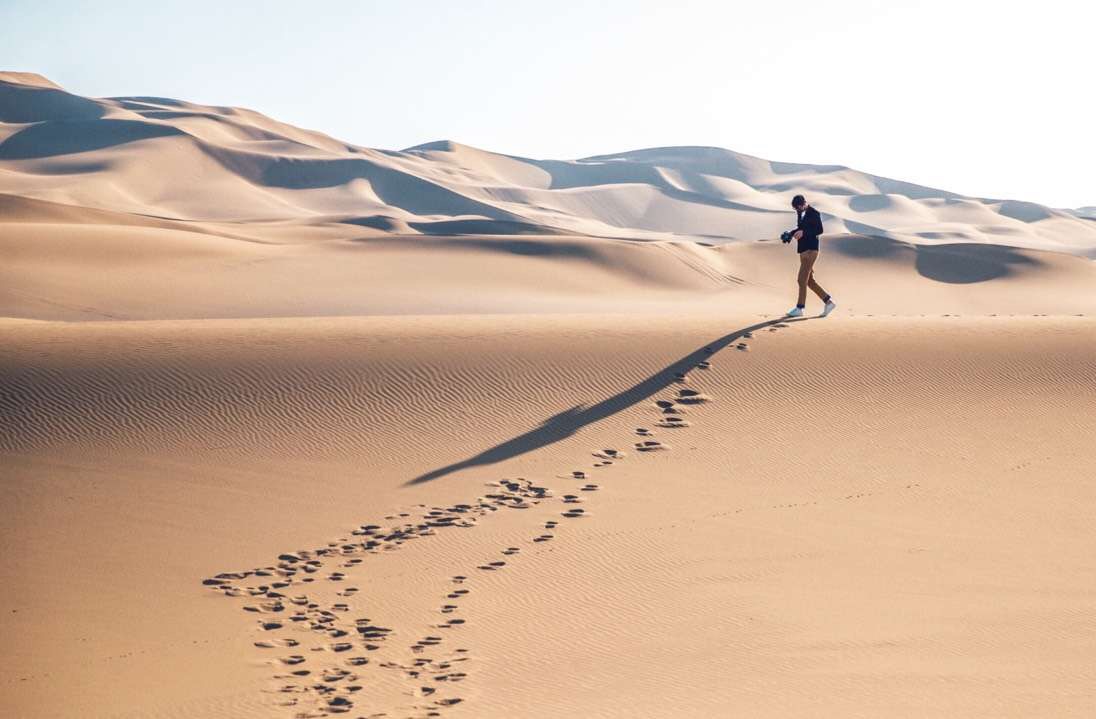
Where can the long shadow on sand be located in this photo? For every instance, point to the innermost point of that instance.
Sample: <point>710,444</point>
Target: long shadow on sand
<point>569,421</point>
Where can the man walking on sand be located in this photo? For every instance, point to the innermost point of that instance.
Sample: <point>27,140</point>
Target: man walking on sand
<point>808,228</point>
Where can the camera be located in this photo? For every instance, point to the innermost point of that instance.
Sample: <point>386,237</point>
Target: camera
<point>786,236</point>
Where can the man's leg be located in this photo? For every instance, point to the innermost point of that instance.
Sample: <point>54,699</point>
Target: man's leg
<point>806,265</point>
<point>817,288</point>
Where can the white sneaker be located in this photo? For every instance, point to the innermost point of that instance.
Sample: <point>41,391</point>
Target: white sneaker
<point>830,307</point>
<point>795,312</point>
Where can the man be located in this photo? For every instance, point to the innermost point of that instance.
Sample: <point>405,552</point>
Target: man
<point>809,227</point>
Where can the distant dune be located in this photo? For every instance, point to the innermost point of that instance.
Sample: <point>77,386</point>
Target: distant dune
<point>183,161</point>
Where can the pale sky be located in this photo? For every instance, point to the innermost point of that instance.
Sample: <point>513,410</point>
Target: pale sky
<point>992,99</point>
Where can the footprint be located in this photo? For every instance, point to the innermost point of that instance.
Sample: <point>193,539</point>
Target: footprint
<point>577,512</point>
<point>371,632</point>
<point>589,488</point>
<point>334,675</point>
<point>511,550</point>
<point>269,607</point>
<point>690,396</point>
<point>672,422</point>
<point>704,364</point>
<point>278,643</point>
<point>339,705</point>
<point>650,446</point>
<point>643,432</point>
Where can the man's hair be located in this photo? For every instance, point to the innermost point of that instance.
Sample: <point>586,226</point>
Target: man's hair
<point>798,200</point>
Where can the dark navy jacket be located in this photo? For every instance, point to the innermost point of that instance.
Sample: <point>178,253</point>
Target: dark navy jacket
<point>810,222</point>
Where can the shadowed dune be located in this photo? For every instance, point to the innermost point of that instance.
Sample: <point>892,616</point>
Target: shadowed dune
<point>482,227</point>
<point>31,103</point>
<point>955,263</point>
<point>70,137</point>
<point>969,263</point>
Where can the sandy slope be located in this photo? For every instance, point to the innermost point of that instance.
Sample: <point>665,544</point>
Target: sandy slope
<point>364,393</point>
<point>104,268</point>
<point>863,517</point>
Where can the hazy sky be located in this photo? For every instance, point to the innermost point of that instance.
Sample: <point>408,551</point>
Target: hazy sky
<point>993,99</point>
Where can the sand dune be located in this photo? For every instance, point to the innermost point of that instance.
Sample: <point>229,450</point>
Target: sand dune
<point>234,164</point>
<point>293,428</point>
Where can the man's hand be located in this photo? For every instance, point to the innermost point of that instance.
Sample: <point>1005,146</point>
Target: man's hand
<point>797,234</point>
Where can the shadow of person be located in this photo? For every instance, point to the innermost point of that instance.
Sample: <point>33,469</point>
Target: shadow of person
<point>569,421</point>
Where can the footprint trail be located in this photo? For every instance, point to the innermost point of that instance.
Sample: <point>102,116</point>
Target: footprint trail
<point>325,652</point>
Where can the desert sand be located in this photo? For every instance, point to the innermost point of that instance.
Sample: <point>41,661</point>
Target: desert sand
<point>290,427</point>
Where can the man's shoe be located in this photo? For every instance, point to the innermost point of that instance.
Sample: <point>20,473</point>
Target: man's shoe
<point>795,312</point>
<point>830,307</point>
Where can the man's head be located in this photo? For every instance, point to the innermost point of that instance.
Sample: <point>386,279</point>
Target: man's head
<point>799,203</point>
